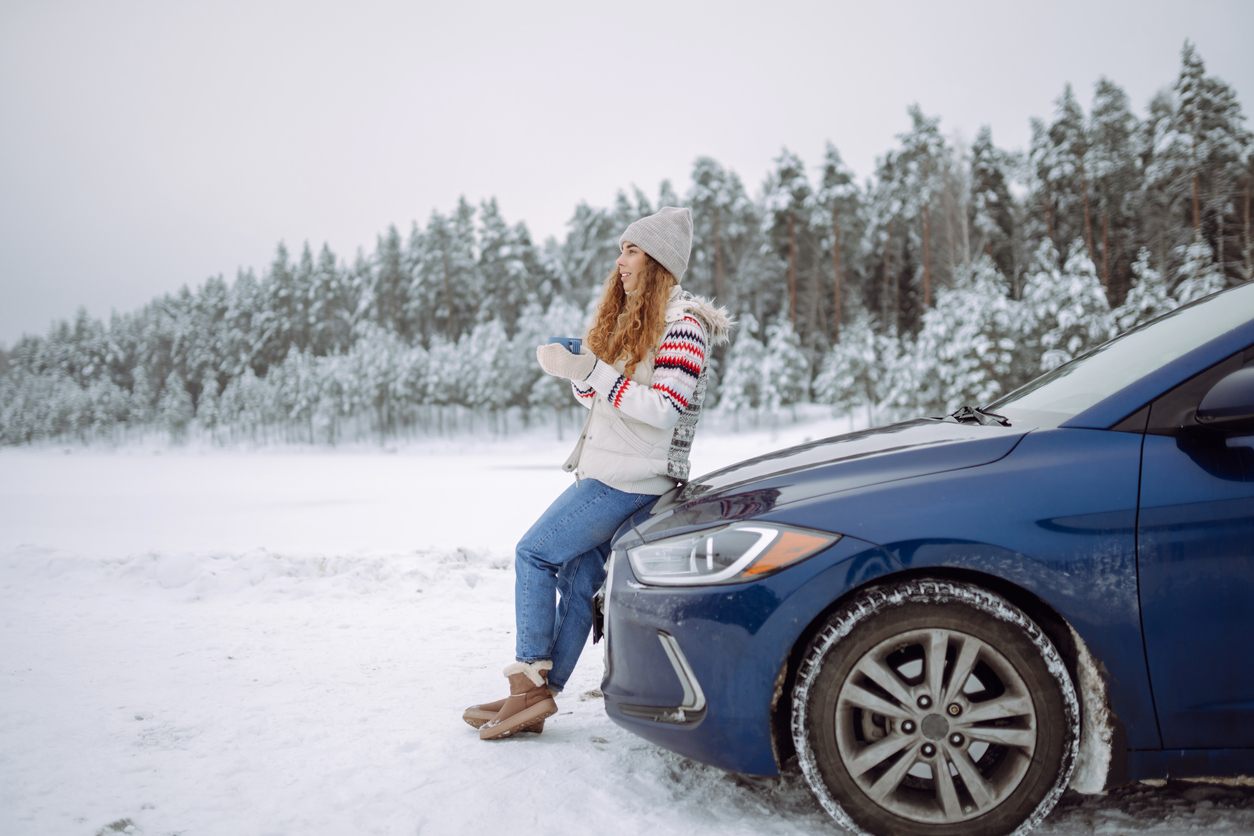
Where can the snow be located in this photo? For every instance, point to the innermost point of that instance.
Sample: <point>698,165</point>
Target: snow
<point>282,641</point>
<point>1096,738</point>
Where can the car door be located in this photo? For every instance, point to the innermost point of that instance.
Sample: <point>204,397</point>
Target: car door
<point>1195,557</point>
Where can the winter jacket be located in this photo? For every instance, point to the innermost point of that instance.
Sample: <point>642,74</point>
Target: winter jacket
<point>639,429</point>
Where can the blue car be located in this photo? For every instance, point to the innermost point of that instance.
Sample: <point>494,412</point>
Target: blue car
<point>945,623</point>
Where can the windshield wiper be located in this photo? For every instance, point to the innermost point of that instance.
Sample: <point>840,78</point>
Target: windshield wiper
<point>975,415</point>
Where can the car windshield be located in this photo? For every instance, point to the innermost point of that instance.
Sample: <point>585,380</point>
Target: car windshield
<point>1070,389</point>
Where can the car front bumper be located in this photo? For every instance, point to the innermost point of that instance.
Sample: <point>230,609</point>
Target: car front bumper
<point>699,669</point>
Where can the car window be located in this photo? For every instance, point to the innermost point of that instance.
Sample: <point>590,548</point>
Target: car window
<point>1070,389</point>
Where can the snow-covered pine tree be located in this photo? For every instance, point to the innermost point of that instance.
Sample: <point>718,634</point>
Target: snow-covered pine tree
<point>964,353</point>
<point>723,223</point>
<point>243,330</point>
<point>505,268</point>
<point>1198,164</point>
<point>860,370</point>
<point>587,254</point>
<point>332,304</point>
<point>1065,312</point>
<point>1147,298</point>
<point>992,207</point>
<point>449,272</point>
<point>787,235</point>
<point>1117,184</point>
<point>390,281</point>
<point>280,312</point>
<point>174,410</point>
<point>1059,178</point>
<point>742,384</point>
<point>920,166</point>
<point>1198,274</point>
<point>785,369</point>
<point>837,224</point>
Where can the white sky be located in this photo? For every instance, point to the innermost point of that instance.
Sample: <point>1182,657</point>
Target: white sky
<point>148,145</point>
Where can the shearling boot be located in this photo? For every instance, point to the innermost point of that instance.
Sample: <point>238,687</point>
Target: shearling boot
<point>477,715</point>
<point>529,701</point>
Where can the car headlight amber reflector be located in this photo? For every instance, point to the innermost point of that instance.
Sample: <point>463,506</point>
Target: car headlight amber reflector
<point>739,552</point>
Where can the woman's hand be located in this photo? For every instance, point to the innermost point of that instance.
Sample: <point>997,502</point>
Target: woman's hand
<point>559,362</point>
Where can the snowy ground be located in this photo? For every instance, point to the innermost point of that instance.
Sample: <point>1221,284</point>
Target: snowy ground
<point>281,642</point>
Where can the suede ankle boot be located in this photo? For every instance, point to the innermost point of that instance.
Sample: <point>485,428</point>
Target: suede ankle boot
<point>479,714</point>
<point>528,704</point>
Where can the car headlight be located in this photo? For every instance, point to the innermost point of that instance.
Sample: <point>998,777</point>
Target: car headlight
<point>738,552</point>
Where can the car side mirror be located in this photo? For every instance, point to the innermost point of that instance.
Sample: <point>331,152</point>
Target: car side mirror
<point>1230,403</point>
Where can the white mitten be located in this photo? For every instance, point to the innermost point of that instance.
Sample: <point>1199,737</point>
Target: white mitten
<point>559,362</point>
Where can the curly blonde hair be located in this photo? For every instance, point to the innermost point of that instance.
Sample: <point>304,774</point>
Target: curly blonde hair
<point>628,325</point>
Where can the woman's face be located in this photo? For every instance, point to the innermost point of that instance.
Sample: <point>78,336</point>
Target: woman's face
<point>631,265</point>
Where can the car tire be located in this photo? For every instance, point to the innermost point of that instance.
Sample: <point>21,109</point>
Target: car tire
<point>980,742</point>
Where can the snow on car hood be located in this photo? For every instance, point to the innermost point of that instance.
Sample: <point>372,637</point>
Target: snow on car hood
<point>840,463</point>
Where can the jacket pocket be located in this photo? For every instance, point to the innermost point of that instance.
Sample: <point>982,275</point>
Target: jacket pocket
<point>632,440</point>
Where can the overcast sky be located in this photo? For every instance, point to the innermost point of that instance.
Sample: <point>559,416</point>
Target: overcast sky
<point>148,145</point>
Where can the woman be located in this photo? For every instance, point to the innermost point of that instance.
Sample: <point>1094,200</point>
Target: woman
<point>641,373</point>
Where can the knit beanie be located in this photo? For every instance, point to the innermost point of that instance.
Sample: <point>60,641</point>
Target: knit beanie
<point>667,236</point>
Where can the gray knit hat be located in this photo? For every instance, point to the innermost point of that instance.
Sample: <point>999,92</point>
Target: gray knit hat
<point>667,236</point>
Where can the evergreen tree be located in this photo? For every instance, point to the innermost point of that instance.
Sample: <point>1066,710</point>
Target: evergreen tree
<point>1148,297</point>
<point>724,224</point>
<point>506,271</point>
<point>175,410</point>
<point>1198,274</point>
<point>1198,164</point>
<point>785,368</point>
<point>785,225</point>
<point>389,285</point>
<point>742,384</point>
<point>331,307</point>
<point>448,266</point>
<point>992,206</point>
<point>280,312</point>
<point>1065,310</point>
<point>921,166</point>
<point>837,209</point>
<point>1117,184</point>
<point>964,354</point>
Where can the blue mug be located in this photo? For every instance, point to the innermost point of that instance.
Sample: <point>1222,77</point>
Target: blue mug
<point>572,344</point>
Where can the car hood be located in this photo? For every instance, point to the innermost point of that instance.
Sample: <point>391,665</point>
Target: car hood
<point>840,463</point>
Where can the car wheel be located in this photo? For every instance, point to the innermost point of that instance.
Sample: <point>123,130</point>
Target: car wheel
<point>934,708</point>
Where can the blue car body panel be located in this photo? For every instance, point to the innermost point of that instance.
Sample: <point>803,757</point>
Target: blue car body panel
<point>1197,583</point>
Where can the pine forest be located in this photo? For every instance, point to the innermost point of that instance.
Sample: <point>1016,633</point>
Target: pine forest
<point>951,276</point>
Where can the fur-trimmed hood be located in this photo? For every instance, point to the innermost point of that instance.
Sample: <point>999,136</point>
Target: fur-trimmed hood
<point>716,321</point>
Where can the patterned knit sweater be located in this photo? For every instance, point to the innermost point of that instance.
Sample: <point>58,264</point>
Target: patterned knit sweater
<point>640,428</point>
<point>676,369</point>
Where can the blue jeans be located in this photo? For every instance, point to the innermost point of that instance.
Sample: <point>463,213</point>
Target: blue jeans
<point>565,552</point>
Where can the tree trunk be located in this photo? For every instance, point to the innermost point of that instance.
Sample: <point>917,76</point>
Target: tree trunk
<point>964,210</point>
<point>836,269</point>
<point>888,251</point>
<point>1048,203</point>
<point>1197,186</point>
<point>1220,247</point>
<point>927,257</point>
<point>1197,209</point>
<point>1088,216</point>
<point>1106,253</point>
<point>792,270</point>
<point>448,297</point>
<point>718,259</point>
<point>1249,251</point>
